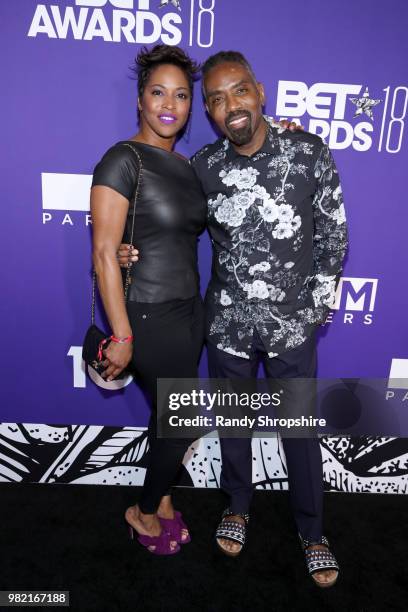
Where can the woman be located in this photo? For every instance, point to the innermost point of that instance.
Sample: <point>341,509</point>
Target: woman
<point>163,312</point>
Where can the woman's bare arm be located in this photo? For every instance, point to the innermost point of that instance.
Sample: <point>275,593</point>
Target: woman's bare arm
<point>109,211</point>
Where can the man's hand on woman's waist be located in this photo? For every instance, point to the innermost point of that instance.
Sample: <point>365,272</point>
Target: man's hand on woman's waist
<point>126,254</point>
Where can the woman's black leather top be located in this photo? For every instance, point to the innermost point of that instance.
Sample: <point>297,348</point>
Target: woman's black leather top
<point>170,213</point>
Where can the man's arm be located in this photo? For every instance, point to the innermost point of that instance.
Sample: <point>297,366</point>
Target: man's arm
<point>330,232</point>
<point>128,253</point>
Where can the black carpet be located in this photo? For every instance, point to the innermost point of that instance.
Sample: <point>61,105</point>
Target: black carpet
<point>72,537</point>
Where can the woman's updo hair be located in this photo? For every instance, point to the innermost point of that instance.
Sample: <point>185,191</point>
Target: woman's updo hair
<point>147,60</point>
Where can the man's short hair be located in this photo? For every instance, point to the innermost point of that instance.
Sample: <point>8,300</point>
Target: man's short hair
<point>221,58</point>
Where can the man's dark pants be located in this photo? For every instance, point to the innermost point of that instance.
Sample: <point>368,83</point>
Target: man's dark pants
<point>303,456</point>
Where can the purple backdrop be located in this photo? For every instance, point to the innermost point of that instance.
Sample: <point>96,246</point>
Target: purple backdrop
<point>68,95</point>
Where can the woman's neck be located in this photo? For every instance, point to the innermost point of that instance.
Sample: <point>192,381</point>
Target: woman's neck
<point>151,138</point>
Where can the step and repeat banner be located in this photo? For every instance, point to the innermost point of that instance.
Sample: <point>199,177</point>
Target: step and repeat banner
<point>68,94</point>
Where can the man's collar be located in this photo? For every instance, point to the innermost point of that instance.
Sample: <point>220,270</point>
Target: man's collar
<point>269,147</point>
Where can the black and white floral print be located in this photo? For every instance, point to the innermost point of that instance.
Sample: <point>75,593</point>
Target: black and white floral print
<point>278,229</point>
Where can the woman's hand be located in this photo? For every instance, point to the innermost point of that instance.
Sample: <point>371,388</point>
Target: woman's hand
<point>117,357</point>
<point>127,253</point>
<point>291,125</point>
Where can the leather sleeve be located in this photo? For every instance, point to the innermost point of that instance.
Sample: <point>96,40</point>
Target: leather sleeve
<point>118,169</point>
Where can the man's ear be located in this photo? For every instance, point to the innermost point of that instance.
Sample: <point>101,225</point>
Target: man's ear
<point>261,91</point>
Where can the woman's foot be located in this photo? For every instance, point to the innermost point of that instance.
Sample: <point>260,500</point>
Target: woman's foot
<point>146,525</point>
<point>166,511</point>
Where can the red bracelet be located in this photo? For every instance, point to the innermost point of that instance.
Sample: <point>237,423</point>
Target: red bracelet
<point>121,340</point>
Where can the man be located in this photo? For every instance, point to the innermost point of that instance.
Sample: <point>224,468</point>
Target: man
<point>277,224</point>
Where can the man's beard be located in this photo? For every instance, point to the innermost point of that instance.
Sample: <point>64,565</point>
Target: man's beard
<point>240,136</point>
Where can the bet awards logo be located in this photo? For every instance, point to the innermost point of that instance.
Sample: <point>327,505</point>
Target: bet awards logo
<point>355,298</point>
<point>345,114</point>
<point>398,380</point>
<point>130,21</point>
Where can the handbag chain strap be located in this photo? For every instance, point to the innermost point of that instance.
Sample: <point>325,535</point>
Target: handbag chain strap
<point>128,279</point>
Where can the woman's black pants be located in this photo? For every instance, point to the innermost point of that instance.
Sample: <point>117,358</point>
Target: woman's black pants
<point>168,338</point>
